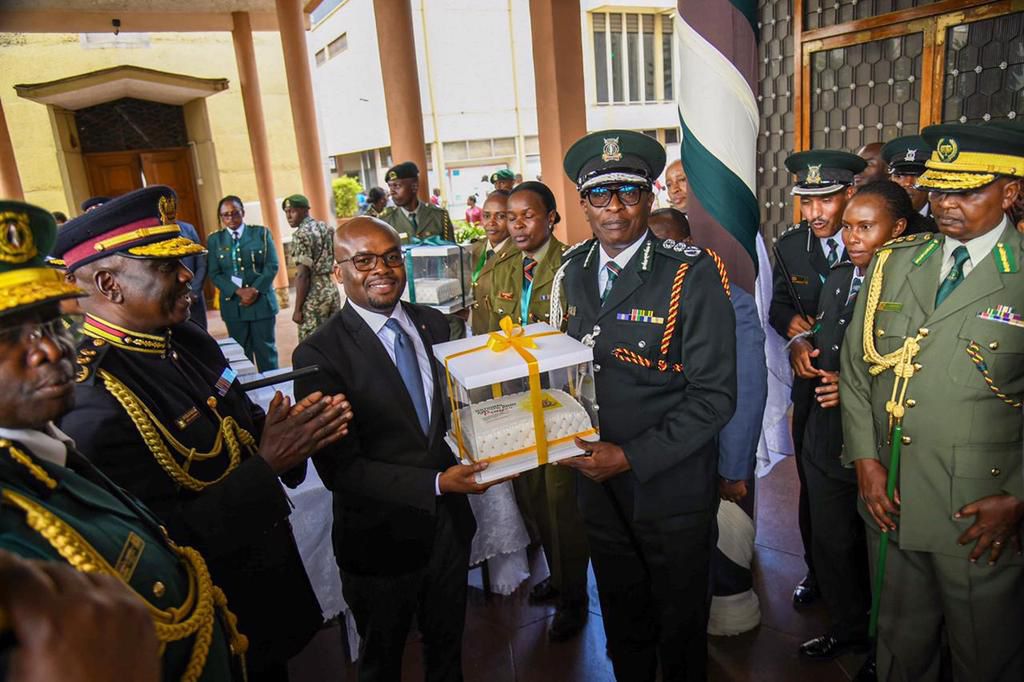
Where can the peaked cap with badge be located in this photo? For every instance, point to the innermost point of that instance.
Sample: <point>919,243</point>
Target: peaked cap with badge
<point>503,174</point>
<point>136,225</point>
<point>295,201</point>
<point>402,171</point>
<point>968,157</point>
<point>663,334</point>
<point>823,171</point>
<point>906,155</point>
<point>614,156</point>
<point>27,234</point>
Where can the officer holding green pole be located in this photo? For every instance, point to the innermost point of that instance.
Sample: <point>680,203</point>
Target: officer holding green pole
<point>931,382</point>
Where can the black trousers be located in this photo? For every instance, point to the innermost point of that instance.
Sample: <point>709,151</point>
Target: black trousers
<point>383,607</point>
<point>840,551</point>
<point>803,400</point>
<point>653,582</point>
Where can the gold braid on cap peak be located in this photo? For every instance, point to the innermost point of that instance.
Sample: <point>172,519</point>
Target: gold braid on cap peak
<point>195,617</point>
<point>953,180</point>
<point>169,248</point>
<point>33,285</point>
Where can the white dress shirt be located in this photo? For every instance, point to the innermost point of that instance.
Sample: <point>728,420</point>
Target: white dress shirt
<point>499,247</point>
<point>840,248</point>
<point>978,249</point>
<point>622,260</point>
<point>239,231</point>
<point>50,443</point>
<point>376,322</point>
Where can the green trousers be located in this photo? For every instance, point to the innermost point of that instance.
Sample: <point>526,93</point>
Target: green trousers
<point>256,337</point>
<point>547,500</point>
<point>980,607</point>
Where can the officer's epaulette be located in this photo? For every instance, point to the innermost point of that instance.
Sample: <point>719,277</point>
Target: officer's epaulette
<point>678,250</point>
<point>387,212</point>
<point>577,249</point>
<point>90,355</point>
<point>908,240</point>
<point>799,228</point>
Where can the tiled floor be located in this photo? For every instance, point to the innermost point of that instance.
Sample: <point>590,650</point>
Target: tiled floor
<point>506,638</point>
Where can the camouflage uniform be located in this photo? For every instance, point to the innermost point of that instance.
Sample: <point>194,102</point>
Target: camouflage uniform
<point>312,246</point>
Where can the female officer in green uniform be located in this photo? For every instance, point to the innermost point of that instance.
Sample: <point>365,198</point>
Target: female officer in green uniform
<point>485,254</point>
<point>521,288</point>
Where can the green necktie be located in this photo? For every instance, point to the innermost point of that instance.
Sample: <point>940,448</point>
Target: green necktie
<point>833,253</point>
<point>955,276</point>
<point>613,274</point>
<point>415,227</point>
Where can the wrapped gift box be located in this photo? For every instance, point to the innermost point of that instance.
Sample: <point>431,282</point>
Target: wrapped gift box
<point>439,275</point>
<point>510,387</point>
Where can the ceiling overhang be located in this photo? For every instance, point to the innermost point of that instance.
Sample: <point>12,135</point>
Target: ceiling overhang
<point>105,85</point>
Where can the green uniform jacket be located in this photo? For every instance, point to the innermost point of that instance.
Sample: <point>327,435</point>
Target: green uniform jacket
<point>482,321</point>
<point>961,442</point>
<point>110,521</point>
<point>430,221</point>
<point>257,268</point>
<point>507,285</point>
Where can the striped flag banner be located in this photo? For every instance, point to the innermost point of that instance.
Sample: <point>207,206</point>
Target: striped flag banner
<point>716,41</point>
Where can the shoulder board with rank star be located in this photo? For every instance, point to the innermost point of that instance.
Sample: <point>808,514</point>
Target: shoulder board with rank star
<point>908,240</point>
<point>1006,261</point>
<point>678,250</point>
<point>799,228</point>
<point>587,246</point>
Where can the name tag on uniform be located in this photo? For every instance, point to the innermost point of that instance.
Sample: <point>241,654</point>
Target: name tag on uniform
<point>889,306</point>
<point>797,279</point>
<point>505,295</point>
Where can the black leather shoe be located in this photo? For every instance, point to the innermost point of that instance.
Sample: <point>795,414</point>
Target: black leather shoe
<point>568,622</point>
<point>868,672</point>
<point>827,646</point>
<point>806,593</point>
<point>543,592</point>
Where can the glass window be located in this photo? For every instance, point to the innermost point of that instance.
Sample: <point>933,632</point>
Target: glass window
<point>600,58</point>
<point>648,38</point>
<point>615,24</point>
<point>666,55</point>
<point>321,57</point>
<point>671,135</point>
<point>337,46</point>
<point>633,50</point>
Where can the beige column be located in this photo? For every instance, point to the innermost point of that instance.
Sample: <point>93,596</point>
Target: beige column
<point>10,180</point>
<point>397,48</point>
<point>300,93</point>
<point>561,104</point>
<point>249,84</point>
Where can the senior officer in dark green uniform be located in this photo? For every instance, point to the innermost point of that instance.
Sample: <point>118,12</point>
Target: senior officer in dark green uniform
<point>803,256</point>
<point>521,289</point>
<point>905,157</point>
<point>242,265</point>
<point>56,506</point>
<point>936,346</point>
<point>663,333</point>
<point>411,217</point>
<point>485,253</point>
<point>158,410</point>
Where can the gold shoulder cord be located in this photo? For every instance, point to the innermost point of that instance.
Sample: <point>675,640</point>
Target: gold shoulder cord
<point>151,430</point>
<point>194,617</point>
<point>900,361</point>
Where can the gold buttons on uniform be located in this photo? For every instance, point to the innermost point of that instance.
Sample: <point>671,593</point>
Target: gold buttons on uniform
<point>98,342</point>
<point>906,440</point>
<point>212,402</point>
<point>923,331</point>
<point>642,343</point>
<point>159,589</point>
<point>995,472</point>
<point>994,345</point>
<point>880,332</point>
<point>911,402</point>
<point>917,366</point>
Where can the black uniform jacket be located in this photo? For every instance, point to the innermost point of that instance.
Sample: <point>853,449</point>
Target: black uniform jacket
<point>664,409</point>
<point>382,473</point>
<point>823,439</point>
<point>240,524</point>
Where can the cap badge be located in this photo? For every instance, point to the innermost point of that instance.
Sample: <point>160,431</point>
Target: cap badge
<point>168,210</point>
<point>287,203</point>
<point>612,151</point>
<point>393,175</point>
<point>911,155</point>
<point>16,243</point>
<point>947,149</point>
<point>814,175</point>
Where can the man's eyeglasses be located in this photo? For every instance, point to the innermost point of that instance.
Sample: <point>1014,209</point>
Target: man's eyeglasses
<point>231,214</point>
<point>364,262</point>
<point>33,332</point>
<point>629,195</point>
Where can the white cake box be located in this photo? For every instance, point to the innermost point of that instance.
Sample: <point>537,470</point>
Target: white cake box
<point>438,275</point>
<point>501,391</point>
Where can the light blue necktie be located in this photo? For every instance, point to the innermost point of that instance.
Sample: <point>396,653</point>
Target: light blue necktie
<point>409,369</point>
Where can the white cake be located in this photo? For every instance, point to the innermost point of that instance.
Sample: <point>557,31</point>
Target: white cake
<point>505,424</point>
<point>437,291</point>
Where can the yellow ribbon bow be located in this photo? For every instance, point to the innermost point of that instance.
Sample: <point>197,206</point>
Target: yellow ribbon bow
<point>510,336</point>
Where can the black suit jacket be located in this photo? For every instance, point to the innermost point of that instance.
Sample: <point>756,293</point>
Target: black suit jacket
<point>382,474</point>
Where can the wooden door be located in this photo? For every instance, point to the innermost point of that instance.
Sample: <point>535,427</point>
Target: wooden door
<point>113,173</point>
<point>173,167</point>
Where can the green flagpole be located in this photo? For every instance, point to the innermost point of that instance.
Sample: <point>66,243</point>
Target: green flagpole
<point>883,541</point>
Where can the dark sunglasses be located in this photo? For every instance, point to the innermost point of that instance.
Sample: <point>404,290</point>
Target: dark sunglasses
<point>629,195</point>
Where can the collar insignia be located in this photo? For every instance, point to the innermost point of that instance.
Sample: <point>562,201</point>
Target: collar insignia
<point>16,242</point>
<point>612,151</point>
